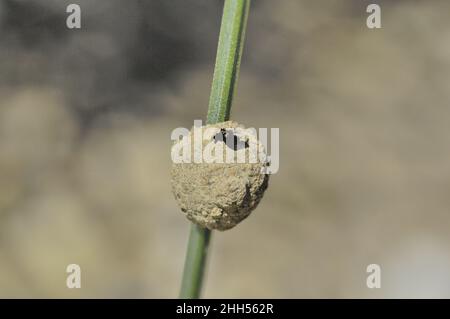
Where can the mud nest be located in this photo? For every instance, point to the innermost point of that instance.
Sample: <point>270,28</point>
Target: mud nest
<point>219,195</point>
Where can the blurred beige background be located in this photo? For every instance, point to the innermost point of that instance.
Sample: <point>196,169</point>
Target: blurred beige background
<point>85,122</point>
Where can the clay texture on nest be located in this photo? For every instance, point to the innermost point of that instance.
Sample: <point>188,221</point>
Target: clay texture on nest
<point>220,195</point>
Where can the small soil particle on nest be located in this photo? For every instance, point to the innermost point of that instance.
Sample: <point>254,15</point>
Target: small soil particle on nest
<point>220,195</point>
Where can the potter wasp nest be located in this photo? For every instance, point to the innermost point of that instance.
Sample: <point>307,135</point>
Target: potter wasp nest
<point>218,193</point>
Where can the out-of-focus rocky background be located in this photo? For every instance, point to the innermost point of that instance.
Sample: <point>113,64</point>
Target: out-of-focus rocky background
<point>364,118</point>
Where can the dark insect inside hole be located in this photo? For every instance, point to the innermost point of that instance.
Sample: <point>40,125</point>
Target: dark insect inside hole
<point>230,140</point>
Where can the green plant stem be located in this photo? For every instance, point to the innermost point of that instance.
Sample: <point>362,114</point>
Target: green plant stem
<point>195,262</point>
<point>228,60</point>
<point>226,71</point>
